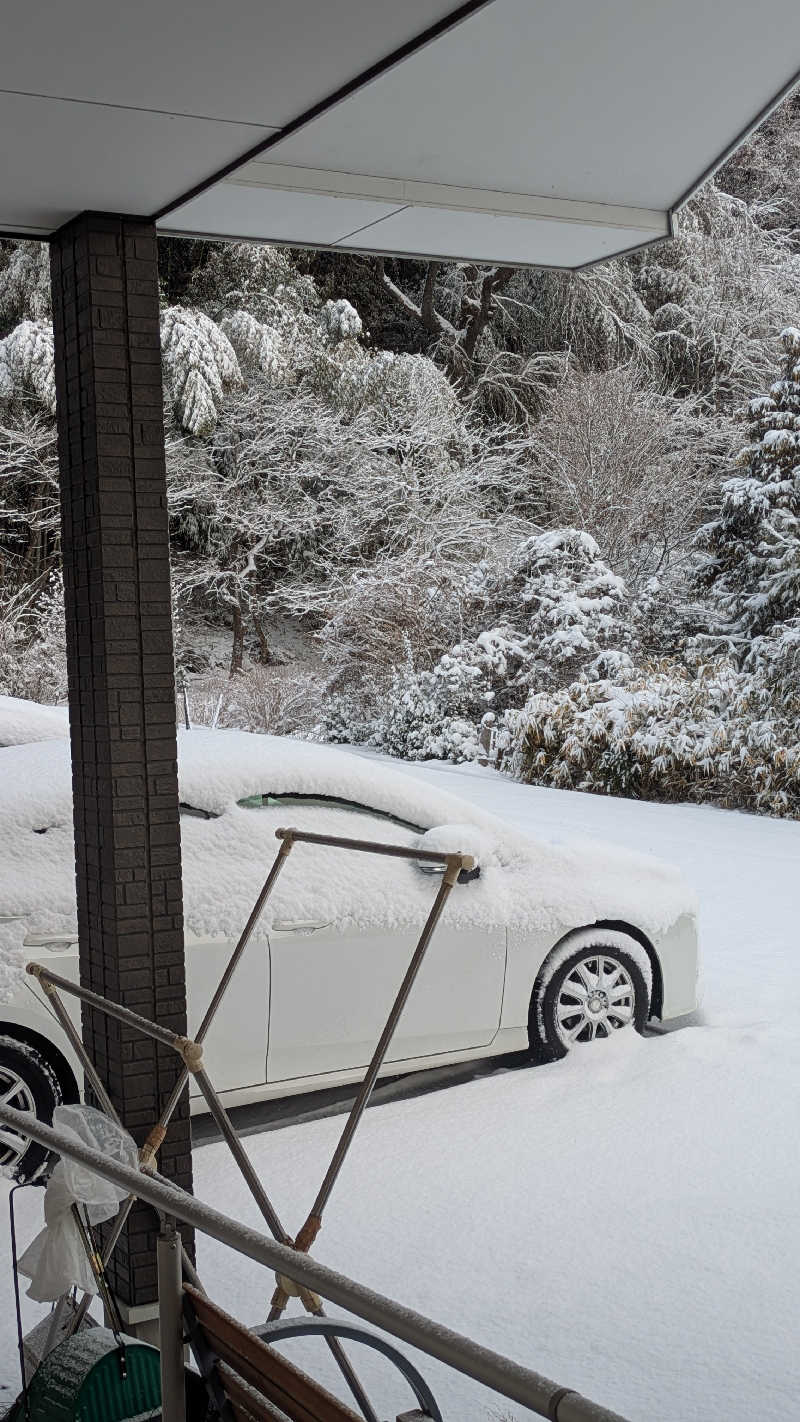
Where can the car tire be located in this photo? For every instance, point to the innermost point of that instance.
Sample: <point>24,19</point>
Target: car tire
<point>577,1001</point>
<point>28,1083</point>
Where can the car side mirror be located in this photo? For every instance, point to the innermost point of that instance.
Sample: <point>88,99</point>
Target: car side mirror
<point>464,877</point>
<point>456,839</point>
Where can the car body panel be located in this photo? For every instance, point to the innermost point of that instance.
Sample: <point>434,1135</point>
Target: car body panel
<point>235,1049</point>
<point>331,994</point>
<point>678,958</point>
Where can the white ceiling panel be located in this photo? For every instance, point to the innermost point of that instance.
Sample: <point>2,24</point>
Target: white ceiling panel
<point>61,158</point>
<point>519,120</point>
<point>249,61</point>
<point>624,102</point>
<point>480,236</point>
<point>413,218</point>
<point>232,209</point>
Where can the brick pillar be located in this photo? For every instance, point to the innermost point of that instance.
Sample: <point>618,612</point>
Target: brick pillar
<point>104,272</point>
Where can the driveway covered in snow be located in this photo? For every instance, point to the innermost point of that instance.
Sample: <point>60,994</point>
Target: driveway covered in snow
<point>626,1220</point>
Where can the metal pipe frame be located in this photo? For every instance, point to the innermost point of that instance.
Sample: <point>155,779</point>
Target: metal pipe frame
<point>51,990</point>
<point>511,1380</point>
<point>308,1298</point>
<point>51,983</point>
<point>170,1323</point>
<point>313,1222</point>
<point>368,846</point>
<point>76,1042</point>
<point>190,1051</point>
<point>365,1090</point>
<point>111,1009</point>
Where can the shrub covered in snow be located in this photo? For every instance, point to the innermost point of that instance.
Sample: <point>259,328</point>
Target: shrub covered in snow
<point>33,655</point>
<point>667,732</point>
<point>341,321</point>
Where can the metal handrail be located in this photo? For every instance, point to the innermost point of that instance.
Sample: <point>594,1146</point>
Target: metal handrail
<point>511,1380</point>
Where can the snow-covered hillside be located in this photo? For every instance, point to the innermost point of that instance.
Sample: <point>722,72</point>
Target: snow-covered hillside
<point>625,1220</point>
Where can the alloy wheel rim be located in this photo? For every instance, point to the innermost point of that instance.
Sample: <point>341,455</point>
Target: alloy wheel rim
<point>14,1091</point>
<point>595,1000</point>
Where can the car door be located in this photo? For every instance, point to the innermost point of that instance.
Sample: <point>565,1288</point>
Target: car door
<point>331,992</point>
<point>235,1049</point>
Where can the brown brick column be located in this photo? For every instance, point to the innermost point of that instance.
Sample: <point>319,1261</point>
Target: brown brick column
<point>104,272</point>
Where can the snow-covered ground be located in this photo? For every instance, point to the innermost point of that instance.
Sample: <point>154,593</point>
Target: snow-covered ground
<point>625,1221</point>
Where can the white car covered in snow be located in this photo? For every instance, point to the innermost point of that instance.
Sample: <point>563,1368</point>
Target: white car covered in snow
<point>551,946</point>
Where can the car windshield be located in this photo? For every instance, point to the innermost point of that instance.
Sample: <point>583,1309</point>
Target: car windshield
<point>257,802</point>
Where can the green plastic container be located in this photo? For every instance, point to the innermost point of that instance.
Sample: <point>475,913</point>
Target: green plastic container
<point>81,1381</point>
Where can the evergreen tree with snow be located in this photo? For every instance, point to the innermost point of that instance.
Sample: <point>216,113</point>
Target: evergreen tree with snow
<point>752,547</point>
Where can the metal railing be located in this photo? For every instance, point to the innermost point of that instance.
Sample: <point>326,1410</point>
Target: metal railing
<point>540,1395</point>
<point>502,1375</point>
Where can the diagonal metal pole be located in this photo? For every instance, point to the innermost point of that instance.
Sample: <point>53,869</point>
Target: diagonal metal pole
<point>313,1224</point>
<point>309,1300</point>
<point>92,1076</point>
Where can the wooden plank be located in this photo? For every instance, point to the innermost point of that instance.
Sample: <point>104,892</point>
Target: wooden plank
<point>245,1401</point>
<point>298,1395</point>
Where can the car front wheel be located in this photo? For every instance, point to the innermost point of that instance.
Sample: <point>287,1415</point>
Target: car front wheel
<point>588,995</point>
<point>27,1083</point>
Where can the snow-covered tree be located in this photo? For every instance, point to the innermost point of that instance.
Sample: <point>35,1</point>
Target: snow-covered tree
<point>569,602</point>
<point>24,284</point>
<point>566,610</point>
<point>200,365</point>
<point>632,464</point>
<point>30,517</point>
<point>27,364</point>
<point>752,548</point>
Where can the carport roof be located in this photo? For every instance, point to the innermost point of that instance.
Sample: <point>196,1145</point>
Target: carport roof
<point>502,130</point>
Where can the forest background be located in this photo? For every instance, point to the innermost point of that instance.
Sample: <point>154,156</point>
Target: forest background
<point>453,511</point>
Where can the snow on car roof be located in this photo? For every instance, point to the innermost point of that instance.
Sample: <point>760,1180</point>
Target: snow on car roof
<point>525,884</point>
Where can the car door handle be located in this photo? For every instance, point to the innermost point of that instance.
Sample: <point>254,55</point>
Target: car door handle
<point>57,941</point>
<point>298,926</point>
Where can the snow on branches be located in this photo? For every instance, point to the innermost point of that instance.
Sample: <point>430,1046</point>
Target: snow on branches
<point>752,548</point>
<point>25,284</point>
<point>27,364</point>
<point>258,346</point>
<point>670,733</point>
<point>564,610</point>
<point>199,364</point>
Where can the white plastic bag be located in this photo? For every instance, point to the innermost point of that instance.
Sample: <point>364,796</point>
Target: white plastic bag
<point>56,1260</point>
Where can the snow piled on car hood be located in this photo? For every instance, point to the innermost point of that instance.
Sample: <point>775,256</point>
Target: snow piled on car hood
<point>527,884</point>
<point>25,721</point>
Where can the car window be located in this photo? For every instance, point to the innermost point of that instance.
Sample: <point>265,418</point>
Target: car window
<point>256,802</point>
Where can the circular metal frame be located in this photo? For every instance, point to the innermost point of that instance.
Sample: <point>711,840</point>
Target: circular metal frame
<point>335,1328</point>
